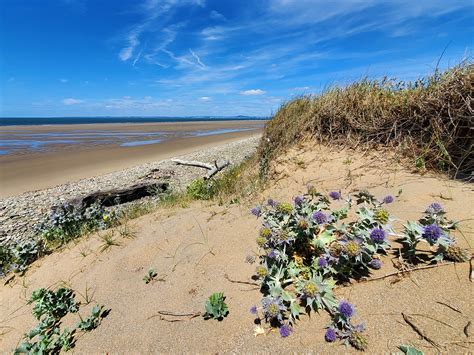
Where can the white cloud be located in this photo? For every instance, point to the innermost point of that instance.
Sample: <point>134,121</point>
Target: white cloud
<point>71,101</point>
<point>205,98</point>
<point>127,52</point>
<point>217,16</point>
<point>252,92</point>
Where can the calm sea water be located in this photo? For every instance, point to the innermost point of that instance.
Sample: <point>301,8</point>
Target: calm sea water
<point>13,121</point>
<point>21,141</point>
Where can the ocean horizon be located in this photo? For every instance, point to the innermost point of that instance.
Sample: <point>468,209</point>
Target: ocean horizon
<point>40,121</point>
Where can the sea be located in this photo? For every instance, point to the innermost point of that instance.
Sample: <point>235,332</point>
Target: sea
<point>27,121</point>
<point>25,140</point>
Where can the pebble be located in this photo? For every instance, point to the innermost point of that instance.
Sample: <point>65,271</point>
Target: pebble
<point>20,214</point>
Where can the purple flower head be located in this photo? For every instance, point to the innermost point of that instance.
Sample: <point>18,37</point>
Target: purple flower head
<point>375,264</point>
<point>377,235</point>
<point>335,195</point>
<point>272,203</point>
<point>435,207</point>
<point>322,262</point>
<point>285,330</point>
<point>330,335</point>
<point>388,199</point>
<point>272,254</point>
<point>256,211</point>
<point>346,309</point>
<point>253,309</point>
<point>432,233</point>
<point>273,308</point>
<point>298,200</point>
<point>320,217</point>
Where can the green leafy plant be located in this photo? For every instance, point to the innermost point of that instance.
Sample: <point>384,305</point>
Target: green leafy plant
<point>150,276</point>
<point>201,189</point>
<point>409,350</point>
<point>215,307</point>
<point>93,321</point>
<point>50,307</point>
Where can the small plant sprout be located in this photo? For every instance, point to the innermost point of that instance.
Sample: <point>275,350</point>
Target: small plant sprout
<point>215,307</point>
<point>92,321</point>
<point>109,241</point>
<point>150,276</point>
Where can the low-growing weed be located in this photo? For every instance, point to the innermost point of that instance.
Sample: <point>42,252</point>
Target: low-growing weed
<point>93,321</point>
<point>150,276</point>
<point>109,241</point>
<point>50,307</point>
<point>215,307</point>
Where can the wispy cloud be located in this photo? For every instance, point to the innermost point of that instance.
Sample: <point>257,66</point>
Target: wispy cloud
<point>252,92</point>
<point>71,101</point>
<point>198,60</point>
<point>205,98</point>
<point>64,81</point>
<point>217,16</point>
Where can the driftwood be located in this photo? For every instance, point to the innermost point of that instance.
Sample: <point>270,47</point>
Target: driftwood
<point>118,196</point>
<point>212,169</point>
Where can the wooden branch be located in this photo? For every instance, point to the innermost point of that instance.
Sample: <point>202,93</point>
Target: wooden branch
<point>212,169</point>
<point>240,282</point>
<point>118,196</point>
<point>217,167</point>
<point>163,314</point>
<point>197,164</point>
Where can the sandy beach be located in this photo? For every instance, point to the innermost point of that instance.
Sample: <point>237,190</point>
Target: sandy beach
<point>26,171</point>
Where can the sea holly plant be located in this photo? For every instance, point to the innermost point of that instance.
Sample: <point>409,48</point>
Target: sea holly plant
<point>67,222</point>
<point>306,247</point>
<point>434,229</point>
<point>215,307</point>
<point>50,307</point>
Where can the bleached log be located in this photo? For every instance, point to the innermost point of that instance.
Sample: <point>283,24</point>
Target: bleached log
<point>212,169</point>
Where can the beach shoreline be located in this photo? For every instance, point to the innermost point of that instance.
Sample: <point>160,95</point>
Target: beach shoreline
<point>20,213</point>
<point>30,171</point>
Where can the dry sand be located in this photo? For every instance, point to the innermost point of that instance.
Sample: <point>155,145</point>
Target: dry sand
<point>25,172</point>
<point>194,248</point>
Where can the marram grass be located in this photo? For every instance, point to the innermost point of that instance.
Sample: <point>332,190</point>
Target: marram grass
<point>428,121</point>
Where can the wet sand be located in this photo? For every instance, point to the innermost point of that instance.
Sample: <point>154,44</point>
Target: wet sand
<point>28,171</point>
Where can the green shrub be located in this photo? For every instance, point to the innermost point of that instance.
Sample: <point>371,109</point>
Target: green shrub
<point>201,189</point>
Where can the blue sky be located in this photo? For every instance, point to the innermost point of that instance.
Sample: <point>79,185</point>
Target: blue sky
<point>208,57</point>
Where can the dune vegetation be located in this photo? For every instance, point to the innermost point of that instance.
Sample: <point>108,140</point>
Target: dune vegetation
<point>428,121</point>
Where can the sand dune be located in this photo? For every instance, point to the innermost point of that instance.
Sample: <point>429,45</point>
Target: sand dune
<point>196,247</point>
